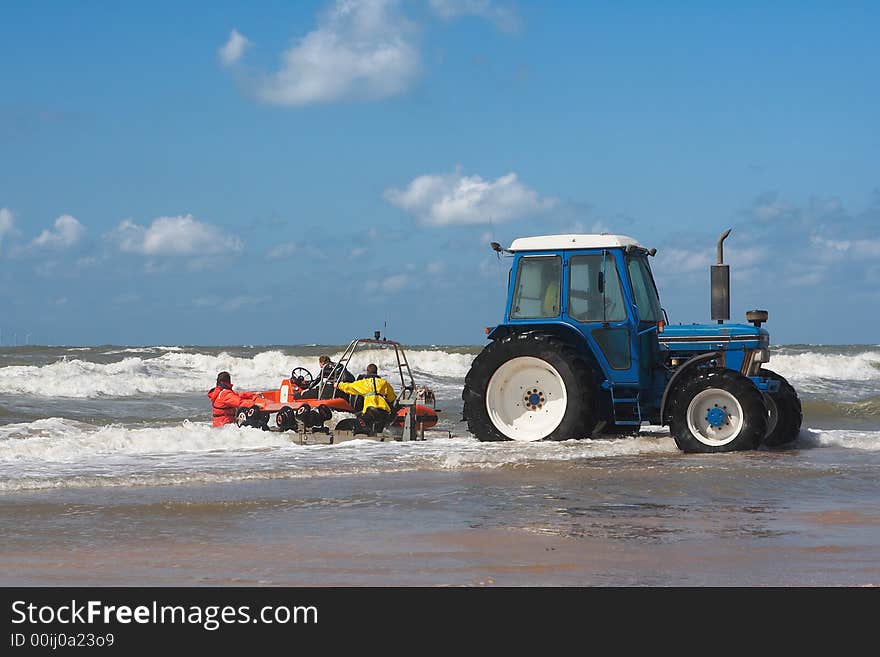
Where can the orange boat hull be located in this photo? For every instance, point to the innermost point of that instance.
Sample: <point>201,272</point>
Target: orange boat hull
<point>426,416</point>
<point>269,403</point>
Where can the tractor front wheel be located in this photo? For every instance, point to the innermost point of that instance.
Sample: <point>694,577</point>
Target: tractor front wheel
<point>721,411</point>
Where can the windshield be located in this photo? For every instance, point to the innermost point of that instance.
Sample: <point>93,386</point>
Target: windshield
<point>644,290</point>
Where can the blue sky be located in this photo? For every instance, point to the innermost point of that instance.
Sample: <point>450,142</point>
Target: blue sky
<point>282,173</point>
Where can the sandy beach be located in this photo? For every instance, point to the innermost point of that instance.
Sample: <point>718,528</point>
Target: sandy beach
<point>509,528</point>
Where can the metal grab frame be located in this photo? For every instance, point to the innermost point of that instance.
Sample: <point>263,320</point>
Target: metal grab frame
<point>349,352</point>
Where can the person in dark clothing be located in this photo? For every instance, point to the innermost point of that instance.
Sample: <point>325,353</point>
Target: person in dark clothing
<point>328,374</point>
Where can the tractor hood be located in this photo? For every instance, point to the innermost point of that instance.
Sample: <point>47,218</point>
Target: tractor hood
<point>711,337</point>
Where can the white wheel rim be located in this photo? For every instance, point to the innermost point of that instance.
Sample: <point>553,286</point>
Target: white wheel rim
<point>715,417</point>
<point>772,413</point>
<point>526,399</point>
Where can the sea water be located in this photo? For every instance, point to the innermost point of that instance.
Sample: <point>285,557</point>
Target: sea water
<point>117,442</point>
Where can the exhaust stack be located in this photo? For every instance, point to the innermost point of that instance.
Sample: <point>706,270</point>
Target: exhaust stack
<point>720,284</point>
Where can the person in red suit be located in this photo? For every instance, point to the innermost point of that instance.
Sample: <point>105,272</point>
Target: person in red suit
<point>224,401</point>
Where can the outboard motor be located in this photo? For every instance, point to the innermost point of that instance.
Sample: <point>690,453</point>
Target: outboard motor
<point>721,284</point>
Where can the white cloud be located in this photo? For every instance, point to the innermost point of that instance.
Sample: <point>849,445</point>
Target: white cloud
<point>231,51</point>
<point>361,49</point>
<point>6,221</point>
<point>683,261</point>
<point>578,227</point>
<point>68,231</point>
<point>842,249</point>
<point>768,208</point>
<point>173,236</point>
<point>395,282</point>
<point>390,283</point>
<point>283,250</point>
<point>436,267</point>
<point>504,18</point>
<point>449,199</point>
<point>800,274</point>
<point>746,256</point>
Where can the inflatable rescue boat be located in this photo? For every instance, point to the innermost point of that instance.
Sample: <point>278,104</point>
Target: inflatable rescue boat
<point>305,406</point>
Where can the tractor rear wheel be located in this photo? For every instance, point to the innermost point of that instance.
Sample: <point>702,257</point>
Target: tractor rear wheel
<point>528,387</point>
<point>786,416</point>
<point>720,411</point>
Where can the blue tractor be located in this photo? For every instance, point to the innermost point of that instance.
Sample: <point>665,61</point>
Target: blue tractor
<point>586,348</point>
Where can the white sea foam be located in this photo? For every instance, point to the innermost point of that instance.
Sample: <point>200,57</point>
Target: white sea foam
<point>64,440</point>
<point>142,350</point>
<point>864,440</point>
<point>61,439</point>
<point>424,361</point>
<point>810,366</point>
<point>178,371</point>
<point>170,370</point>
<point>58,452</point>
<point>63,453</point>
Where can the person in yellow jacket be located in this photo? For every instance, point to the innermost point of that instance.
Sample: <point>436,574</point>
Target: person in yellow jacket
<point>378,397</point>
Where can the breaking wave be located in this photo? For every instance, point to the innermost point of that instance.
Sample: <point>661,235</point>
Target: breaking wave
<point>179,372</point>
<point>812,368</point>
<point>833,382</point>
<point>63,453</point>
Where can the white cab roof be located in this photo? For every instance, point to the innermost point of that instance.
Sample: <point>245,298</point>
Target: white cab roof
<point>557,242</point>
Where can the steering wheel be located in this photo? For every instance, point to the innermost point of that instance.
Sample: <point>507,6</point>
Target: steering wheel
<point>304,373</point>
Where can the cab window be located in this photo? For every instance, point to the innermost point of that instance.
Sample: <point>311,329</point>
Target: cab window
<point>594,290</point>
<point>536,294</point>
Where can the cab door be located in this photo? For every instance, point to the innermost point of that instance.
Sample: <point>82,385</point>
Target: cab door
<point>649,317</point>
<point>598,302</point>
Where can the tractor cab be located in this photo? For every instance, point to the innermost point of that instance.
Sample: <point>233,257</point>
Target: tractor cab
<point>598,290</point>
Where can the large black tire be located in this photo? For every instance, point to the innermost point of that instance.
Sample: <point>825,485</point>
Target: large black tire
<point>285,419</point>
<point>578,417</point>
<point>788,413</point>
<point>719,411</point>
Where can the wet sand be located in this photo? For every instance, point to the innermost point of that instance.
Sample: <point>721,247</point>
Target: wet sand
<point>539,526</point>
